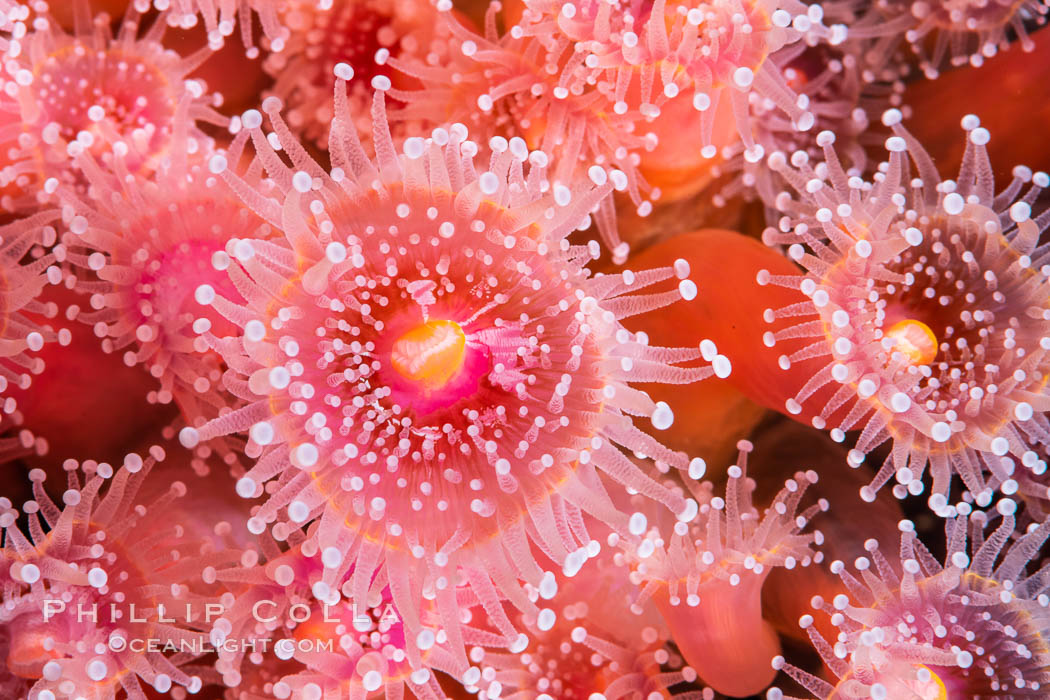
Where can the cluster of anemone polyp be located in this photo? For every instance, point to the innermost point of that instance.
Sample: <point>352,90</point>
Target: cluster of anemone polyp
<point>529,350</point>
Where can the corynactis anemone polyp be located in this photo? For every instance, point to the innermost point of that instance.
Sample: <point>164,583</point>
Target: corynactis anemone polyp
<point>69,586</point>
<point>360,34</point>
<point>21,312</point>
<point>95,92</point>
<point>91,422</point>
<point>714,51</point>
<point>445,445</point>
<point>929,313</point>
<point>565,37</point>
<point>428,412</point>
<point>973,627</point>
<point>705,574</point>
<point>589,642</point>
<point>141,247</point>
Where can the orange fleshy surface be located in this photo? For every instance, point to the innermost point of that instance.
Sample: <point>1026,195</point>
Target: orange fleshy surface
<point>915,339</point>
<point>430,354</point>
<point>724,637</point>
<point>728,310</point>
<point>28,656</point>
<point>676,165</point>
<point>710,416</point>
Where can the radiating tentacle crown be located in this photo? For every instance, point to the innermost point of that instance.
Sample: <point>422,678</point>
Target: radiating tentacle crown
<point>428,370</point>
<point>929,315</point>
<point>973,626</point>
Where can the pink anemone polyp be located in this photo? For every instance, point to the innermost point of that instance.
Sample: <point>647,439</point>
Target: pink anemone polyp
<point>928,320</point>
<point>508,85</point>
<point>972,625</point>
<point>71,582</point>
<point>646,56</point>
<point>95,92</point>
<point>588,640</point>
<point>141,248</point>
<point>705,574</point>
<point>404,458</point>
<point>951,34</point>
